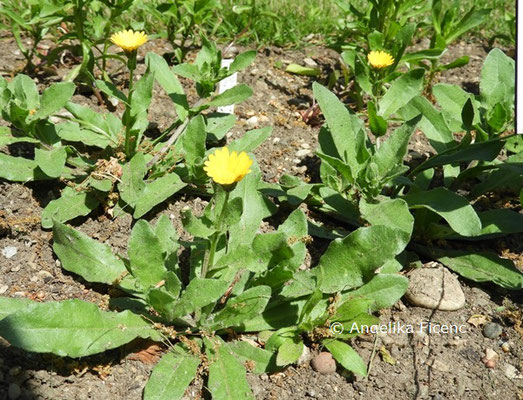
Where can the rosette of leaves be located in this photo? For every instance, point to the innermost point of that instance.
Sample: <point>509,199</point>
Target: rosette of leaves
<point>358,176</point>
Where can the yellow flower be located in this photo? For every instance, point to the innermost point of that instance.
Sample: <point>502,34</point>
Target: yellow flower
<point>129,40</point>
<point>227,168</point>
<point>380,59</point>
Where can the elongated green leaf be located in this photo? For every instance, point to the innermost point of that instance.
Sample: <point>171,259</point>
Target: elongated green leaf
<point>451,99</point>
<point>9,305</point>
<point>227,377</point>
<point>25,91</point>
<point>72,328</point>
<point>470,20</point>
<point>484,267</point>
<point>218,124</point>
<point>401,91</point>
<point>384,289</point>
<point>84,256</point>
<point>72,204</point>
<point>169,82</point>
<point>171,376</point>
<point>497,79</point>
<point>146,255</point>
<point>301,70</point>
<point>193,140</point>
<point>112,91</point>
<point>242,61</point>
<point>243,307</point>
<point>72,132</point>
<point>142,94</point>
<point>156,192</point>
<point>346,130</point>
<point>452,207</point>
<point>346,356</point>
<point>52,162</point>
<point>393,150</point>
<point>351,262</point>
<point>132,184</point>
<point>234,95</point>
<point>251,140</point>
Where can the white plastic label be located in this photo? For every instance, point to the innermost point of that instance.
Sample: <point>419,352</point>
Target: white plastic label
<point>225,84</point>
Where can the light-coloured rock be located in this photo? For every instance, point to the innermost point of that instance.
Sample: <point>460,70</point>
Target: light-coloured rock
<point>9,251</point>
<point>305,356</point>
<point>435,288</point>
<point>252,122</point>
<point>303,153</point>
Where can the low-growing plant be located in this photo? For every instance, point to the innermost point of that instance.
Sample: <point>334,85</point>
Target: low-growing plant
<point>238,281</point>
<point>111,160</point>
<point>363,181</point>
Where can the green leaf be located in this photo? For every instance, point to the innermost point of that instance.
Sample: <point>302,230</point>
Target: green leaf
<point>251,140</point>
<point>26,92</point>
<point>54,98</point>
<point>432,124</point>
<point>393,213</point>
<point>227,377</point>
<point>346,130</point>
<point>86,257</point>
<point>289,352</point>
<point>19,169</point>
<point>254,210</point>
<point>9,305</point>
<point>218,124</point>
<point>72,132</point>
<point>72,328</point>
<point>264,360</point>
<point>451,99</point>
<point>171,376</point>
<point>198,227</point>
<point>234,95</point>
<point>470,20</point>
<point>452,207</point>
<point>497,79</point>
<point>169,82</point>
<point>401,91</point>
<point>193,140</point>
<point>52,162</point>
<point>242,61</point>
<point>392,152</point>
<point>156,192</point>
<point>142,94</point>
<point>200,293</point>
<point>112,91</point>
<point>346,356</point>
<point>72,204</point>
<point>457,63</point>
<point>132,184</point>
<point>146,255</point>
<point>384,289</point>
<point>301,70</point>
<point>377,124</point>
<point>351,262</point>
<point>246,306</point>
<point>103,185</point>
<point>484,267</point>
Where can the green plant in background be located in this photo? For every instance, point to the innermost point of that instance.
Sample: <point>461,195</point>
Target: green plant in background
<point>112,161</point>
<point>450,24</point>
<point>32,19</point>
<point>185,22</point>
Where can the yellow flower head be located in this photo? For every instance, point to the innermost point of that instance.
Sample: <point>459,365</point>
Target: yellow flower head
<point>380,59</point>
<point>129,40</point>
<point>227,168</point>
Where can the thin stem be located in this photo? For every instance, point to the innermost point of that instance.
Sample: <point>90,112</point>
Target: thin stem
<point>209,259</point>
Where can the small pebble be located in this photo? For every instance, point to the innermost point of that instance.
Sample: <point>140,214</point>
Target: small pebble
<point>252,122</point>
<point>492,330</point>
<point>490,359</point>
<point>324,363</point>
<point>9,251</point>
<point>305,356</point>
<point>14,391</point>
<point>3,289</point>
<point>505,347</point>
<point>303,153</point>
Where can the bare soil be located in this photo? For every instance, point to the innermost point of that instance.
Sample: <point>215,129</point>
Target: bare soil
<point>426,366</point>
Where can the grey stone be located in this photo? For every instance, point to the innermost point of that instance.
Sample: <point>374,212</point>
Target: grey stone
<point>435,288</point>
<point>492,330</point>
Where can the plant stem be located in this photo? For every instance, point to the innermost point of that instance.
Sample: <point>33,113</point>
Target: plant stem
<point>209,259</point>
